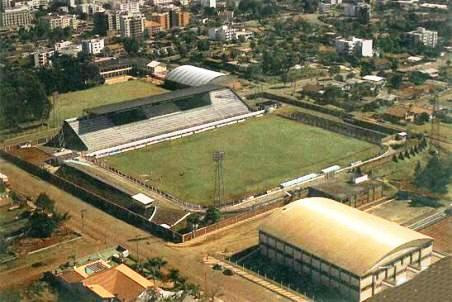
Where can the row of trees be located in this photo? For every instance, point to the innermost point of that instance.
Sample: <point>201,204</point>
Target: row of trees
<point>24,93</point>
<point>69,74</point>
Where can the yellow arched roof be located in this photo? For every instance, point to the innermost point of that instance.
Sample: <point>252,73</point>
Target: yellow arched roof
<point>352,239</point>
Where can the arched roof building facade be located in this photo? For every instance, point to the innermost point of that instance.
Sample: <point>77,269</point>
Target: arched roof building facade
<point>343,246</point>
<point>192,76</point>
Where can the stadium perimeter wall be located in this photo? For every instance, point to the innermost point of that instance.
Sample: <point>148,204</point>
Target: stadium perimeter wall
<point>94,199</point>
<point>378,127</point>
<point>340,127</point>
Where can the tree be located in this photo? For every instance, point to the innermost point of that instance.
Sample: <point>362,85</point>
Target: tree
<point>203,45</point>
<point>422,118</point>
<point>395,81</point>
<point>175,276</point>
<point>334,69</point>
<point>418,78</point>
<point>212,215</point>
<point>45,203</point>
<point>194,220</point>
<point>154,265</point>
<point>41,225</point>
<point>22,98</point>
<point>417,169</point>
<point>436,174</point>
<point>131,45</point>
<point>2,187</point>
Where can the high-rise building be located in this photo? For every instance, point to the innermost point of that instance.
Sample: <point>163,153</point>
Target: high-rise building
<point>423,36</point>
<point>62,21</point>
<point>357,10</point>
<point>179,18</point>
<point>130,6</point>
<point>161,2</point>
<point>112,19</point>
<point>132,25</point>
<point>209,3</point>
<point>163,19</point>
<point>15,17</point>
<point>4,4</point>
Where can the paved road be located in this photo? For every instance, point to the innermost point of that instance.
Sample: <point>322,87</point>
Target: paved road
<point>110,231</point>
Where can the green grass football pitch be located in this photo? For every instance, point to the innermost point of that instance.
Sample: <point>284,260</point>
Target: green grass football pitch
<point>259,154</point>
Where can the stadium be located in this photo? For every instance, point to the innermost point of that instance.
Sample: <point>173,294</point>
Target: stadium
<point>168,140</point>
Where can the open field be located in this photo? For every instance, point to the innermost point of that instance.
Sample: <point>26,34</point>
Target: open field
<point>259,155</point>
<point>72,104</point>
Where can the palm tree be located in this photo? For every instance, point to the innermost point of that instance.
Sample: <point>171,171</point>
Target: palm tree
<point>154,265</point>
<point>175,276</point>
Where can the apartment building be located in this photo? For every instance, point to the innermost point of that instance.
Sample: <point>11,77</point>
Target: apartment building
<point>15,17</point>
<point>61,21</point>
<point>93,46</point>
<point>423,36</point>
<point>42,57</point>
<point>132,25</point>
<point>360,47</point>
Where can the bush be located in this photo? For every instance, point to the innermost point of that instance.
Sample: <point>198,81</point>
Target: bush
<point>217,267</point>
<point>228,272</point>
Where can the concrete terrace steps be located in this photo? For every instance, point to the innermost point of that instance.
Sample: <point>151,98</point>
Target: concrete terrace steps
<point>99,132</point>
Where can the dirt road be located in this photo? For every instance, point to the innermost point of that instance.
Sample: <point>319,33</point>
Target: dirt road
<point>104,230</point>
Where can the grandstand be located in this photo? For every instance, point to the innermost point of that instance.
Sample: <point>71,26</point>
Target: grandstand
<point>119,127</point>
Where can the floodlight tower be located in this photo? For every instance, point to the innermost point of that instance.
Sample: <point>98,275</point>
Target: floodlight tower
<point>218,158</point>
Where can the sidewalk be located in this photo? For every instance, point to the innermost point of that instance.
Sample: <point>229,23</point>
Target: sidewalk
<point>255,279</point>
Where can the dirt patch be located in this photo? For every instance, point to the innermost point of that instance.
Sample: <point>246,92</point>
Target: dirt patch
<point>26,245</point>
<point>33,155</point>
<point>400,211</point>
<point>441,232</point>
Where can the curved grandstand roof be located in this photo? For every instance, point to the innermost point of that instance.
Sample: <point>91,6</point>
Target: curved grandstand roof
<point>344,236</point>
<point>192,76</point>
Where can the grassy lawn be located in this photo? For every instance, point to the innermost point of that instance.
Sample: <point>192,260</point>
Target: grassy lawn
<point>72,104</point>
<point>259,155</point>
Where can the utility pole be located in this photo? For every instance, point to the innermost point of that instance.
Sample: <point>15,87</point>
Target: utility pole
<point>138,255</point>
<point>82,215</point>
<point>218,158</point>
